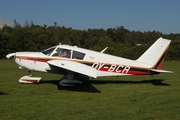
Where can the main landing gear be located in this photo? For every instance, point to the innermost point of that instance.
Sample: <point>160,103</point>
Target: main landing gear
<point>68,80</point>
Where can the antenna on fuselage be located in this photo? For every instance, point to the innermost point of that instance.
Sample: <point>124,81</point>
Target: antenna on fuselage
<point>104,50</point>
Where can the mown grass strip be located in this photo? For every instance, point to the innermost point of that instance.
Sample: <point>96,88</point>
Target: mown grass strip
<point>132,97</point>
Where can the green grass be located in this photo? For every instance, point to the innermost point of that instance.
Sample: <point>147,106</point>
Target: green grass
<point>132,97</point>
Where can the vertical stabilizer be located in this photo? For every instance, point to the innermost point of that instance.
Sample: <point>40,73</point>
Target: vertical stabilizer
<point>154,56</point>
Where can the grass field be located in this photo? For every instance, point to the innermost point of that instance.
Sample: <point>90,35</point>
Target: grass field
<point>133,97</point>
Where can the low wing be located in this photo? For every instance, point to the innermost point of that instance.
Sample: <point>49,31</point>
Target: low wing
<point>75,67</point>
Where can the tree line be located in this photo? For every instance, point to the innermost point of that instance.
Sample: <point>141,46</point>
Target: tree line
<point>120,41</point>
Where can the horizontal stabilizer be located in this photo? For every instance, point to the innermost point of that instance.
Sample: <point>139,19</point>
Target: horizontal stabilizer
<point>161,71</point>
<point>75,67</point>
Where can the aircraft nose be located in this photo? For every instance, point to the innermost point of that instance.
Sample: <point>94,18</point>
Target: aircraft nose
<point>11,56</point>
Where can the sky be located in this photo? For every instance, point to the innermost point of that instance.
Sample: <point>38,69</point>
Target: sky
<point>137,15</point>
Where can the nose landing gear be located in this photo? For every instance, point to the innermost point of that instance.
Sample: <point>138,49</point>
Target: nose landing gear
<point>29,79</point>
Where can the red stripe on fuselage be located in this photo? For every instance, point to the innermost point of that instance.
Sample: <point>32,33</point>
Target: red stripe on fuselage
<point>139,71</point>
<point>130,71</point>
<point>33,59</point>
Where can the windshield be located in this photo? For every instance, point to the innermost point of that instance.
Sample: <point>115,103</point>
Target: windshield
<point>49,50</point>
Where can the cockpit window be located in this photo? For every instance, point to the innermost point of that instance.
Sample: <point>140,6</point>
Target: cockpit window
<point>60,52</point>
<point>49,50</point>
<point>78,55</point>
<point>64,53</point>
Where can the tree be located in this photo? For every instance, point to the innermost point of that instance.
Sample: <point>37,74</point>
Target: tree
<point>120,41</point>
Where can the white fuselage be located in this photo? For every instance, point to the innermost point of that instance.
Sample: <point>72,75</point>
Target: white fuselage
<point>107,65</point>
<point>71,60</point>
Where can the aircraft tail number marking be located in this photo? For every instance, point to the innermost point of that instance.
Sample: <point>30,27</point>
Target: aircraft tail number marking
<point>111,68</point>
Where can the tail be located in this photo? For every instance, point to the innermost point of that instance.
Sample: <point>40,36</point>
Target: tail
<point>154,56</point>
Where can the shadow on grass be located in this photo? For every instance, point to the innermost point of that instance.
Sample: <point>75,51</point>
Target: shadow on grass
<point>2,93</point>
<point>157,82</point>
<point>87,85</point>
<point>81,88</point>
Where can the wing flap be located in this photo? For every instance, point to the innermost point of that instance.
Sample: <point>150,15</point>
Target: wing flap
<point>75,67</point>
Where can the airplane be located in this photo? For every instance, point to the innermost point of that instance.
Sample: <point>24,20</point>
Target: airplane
<point>73,61</point>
